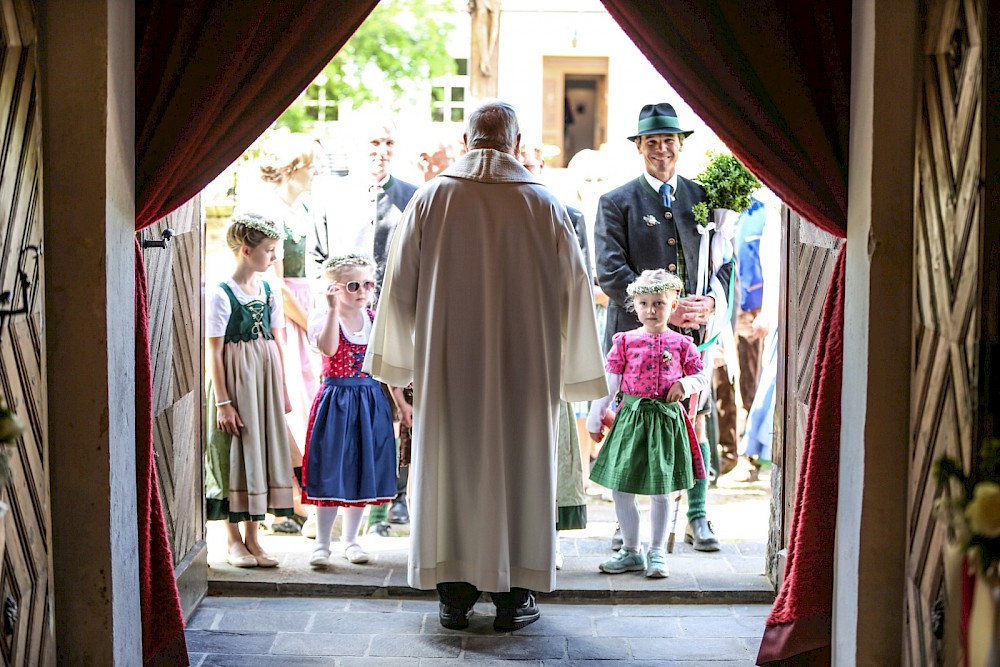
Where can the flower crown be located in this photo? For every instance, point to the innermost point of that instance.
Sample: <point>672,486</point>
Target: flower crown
<point>260,224</point>
<point>671,284</point>
<point>348,259</point>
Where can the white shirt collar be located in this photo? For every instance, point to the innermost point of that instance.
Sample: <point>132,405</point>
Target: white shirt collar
<point>655,183</point>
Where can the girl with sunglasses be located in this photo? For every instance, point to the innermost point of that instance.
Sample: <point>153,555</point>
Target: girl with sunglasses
<point>350,457</point>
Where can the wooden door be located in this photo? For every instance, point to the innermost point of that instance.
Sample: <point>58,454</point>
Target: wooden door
<point>555,72</point>
<point>808,255</point>
<point>948,229</point>
<point>173,273</point>
<point>26,619</point>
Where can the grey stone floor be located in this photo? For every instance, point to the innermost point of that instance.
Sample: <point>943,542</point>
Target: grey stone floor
<point>348,632</point>
<point>734,575</point>
<point>710,611</point>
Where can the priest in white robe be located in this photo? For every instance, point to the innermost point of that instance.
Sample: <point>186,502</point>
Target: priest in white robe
<point>486,307</point>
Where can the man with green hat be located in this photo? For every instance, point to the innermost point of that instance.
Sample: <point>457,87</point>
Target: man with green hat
<point>648,223</point>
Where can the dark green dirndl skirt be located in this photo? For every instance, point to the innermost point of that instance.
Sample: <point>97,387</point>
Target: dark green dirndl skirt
<point>647,451</point>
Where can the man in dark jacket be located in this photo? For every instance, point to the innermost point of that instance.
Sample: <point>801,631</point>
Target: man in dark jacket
<point>648,223</point>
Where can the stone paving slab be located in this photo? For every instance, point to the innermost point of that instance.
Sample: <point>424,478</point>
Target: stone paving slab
<point>710,611</point>
<point>248,632</point>
<point>733,575</point>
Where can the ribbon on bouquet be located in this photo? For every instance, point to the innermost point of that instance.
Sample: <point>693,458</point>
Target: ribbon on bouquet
<point>715,250</point>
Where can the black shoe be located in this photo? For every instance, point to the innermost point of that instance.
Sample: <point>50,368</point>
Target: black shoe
<point>286,526</point>
<point>616,539</point>
<point>399,513</point>
<point>381,529</point>
<point>452,617</point>
<point>699,533</point>
<point>510,619</point>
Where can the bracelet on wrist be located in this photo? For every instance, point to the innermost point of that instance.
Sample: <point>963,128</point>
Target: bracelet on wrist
<point>221,403</point>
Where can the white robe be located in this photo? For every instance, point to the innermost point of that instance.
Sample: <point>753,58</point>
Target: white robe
<point>486,306</point>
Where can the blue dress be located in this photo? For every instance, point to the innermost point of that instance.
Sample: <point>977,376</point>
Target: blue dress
<point>350,457</point>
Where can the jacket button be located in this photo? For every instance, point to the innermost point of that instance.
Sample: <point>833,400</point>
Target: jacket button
<point>668,214</point>
<point>671,241</point>
<point>671,267</point>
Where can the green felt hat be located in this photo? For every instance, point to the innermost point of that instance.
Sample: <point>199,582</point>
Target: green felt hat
<point>659,119</point>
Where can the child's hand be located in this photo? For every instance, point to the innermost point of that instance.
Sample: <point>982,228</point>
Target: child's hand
<point>406,414</point>
<point>229,420</point>
<point>332,290</point>
<point>607,419</point>
<point>675,393</point>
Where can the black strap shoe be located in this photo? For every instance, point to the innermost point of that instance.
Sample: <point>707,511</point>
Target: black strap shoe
<point>453,618</point>
<point>509,619</point>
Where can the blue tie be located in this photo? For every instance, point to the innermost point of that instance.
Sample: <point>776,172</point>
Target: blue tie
<point>665,191</point>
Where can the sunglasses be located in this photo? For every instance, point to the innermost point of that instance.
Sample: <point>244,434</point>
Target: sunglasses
<point>354,285</point>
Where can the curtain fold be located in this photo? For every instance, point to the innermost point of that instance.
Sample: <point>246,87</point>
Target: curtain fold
<point>210,78</point>
<point>772,79</point>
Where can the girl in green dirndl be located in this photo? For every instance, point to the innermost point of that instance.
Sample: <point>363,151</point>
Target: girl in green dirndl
<point>248,470</point>
<point>651,448</point>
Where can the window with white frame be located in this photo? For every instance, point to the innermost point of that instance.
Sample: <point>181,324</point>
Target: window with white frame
<point>448,95</point>
<point>320,104</point>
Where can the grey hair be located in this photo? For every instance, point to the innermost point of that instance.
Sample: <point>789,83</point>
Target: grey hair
<point>492,125</point>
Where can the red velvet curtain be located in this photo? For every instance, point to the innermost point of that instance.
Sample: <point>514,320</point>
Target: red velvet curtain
<point>209,78</point>
<point>772,79</point>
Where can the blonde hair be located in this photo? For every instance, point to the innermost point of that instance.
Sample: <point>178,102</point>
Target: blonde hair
<point>334,267</point>
<point>283,155</point>
<point>652,281</point>
<point>250,230</point>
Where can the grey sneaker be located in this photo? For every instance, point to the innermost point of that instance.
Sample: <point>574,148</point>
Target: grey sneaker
<point>624,561</point>
<point>656,565</point>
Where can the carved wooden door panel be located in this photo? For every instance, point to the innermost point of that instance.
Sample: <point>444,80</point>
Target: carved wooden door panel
<point>26,619</point>
<point>173,272</point>
<point>948,229</point>
<point>808,255</point>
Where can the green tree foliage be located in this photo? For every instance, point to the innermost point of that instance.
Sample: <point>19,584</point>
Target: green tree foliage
<point>400,46</point>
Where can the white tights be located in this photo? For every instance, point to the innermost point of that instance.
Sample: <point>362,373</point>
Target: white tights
<point>325,516</point>
<point>627,511</point>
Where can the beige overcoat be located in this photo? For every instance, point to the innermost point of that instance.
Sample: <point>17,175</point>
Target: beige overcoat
<point>487,308</point>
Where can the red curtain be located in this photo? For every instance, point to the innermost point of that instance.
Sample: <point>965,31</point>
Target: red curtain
<point>772,79</point>
<point>209,78</point>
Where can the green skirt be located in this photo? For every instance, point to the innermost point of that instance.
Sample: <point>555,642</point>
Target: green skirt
<point>647,451</point>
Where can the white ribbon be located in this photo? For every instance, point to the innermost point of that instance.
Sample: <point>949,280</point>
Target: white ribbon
<point>704,268</point>
<point>725,232</point>
<point>723,326</point>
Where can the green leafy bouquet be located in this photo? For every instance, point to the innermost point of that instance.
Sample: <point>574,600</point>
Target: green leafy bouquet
<point>973,515</point>
<point>727,183</point>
